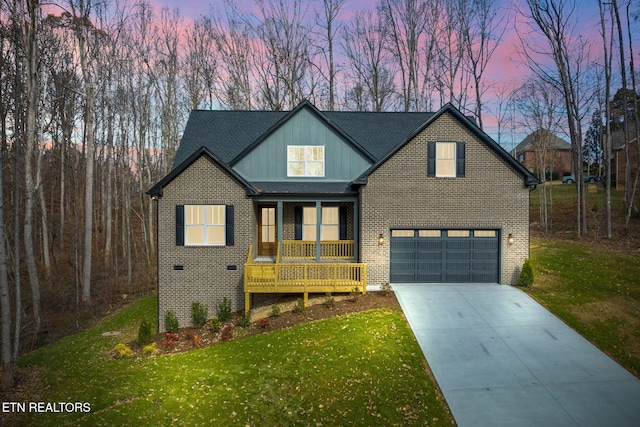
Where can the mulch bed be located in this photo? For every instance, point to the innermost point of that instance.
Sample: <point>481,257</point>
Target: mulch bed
<point>263,321</point>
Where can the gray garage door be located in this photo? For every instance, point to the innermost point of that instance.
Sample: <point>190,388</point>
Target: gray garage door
<point>444,256</point>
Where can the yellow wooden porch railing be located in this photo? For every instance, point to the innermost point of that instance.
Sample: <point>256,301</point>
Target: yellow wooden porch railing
<point>303,278</point>
<point>306,249</point>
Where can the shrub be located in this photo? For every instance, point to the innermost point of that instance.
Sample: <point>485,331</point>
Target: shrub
<point>245,320</point>
<point>329,301</point>
<point>198,314</point>
<point>214,325</point>
<point>275,310</point>
<point>150,349</point>
<point>123,351</point>
<point>145,333</point>
<point>299,308</point>
<point>226,333</point>
<point>526,274</point>
<point>355,294</point>
<point>195,339</point>
<point>385,288</point>
<point>224,309</point>
<point>171,322</point>
<point>170,340</point>
<point>264,323</point>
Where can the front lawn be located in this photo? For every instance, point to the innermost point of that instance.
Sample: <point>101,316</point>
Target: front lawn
<point>594,290</point>
<point>358,369</point>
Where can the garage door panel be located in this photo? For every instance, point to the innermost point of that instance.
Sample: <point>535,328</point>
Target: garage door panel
<point>444,256</point>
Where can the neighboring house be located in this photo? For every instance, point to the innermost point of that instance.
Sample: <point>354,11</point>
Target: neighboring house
<point>557,157</point>
<point>305,201</point>
<point>619,145</point>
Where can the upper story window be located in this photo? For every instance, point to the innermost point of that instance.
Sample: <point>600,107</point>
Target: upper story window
<point>446,159</point>
<point>305,160</point>
<point>204,225</point>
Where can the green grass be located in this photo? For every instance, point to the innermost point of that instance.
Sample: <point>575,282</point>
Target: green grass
<point>360,369</point>
<point>595,291</point>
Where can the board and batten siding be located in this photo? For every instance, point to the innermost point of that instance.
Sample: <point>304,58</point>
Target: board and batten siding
<point>268,160</point>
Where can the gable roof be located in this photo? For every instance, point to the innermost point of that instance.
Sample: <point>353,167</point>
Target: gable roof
<point>231,134</point>
<point>530,179</point>
<point>554,142</point>
<point>226,136</point>
<point>618,140</point>
<point>156,190</point>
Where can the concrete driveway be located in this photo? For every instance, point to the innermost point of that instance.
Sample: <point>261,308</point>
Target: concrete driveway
<point>501,359</point>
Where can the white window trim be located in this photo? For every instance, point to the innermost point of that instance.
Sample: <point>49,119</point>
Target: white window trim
<point>440,174</point>
<point>206,225</point>
<point>305,161</point>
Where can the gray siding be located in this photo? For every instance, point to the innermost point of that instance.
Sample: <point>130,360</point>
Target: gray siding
<point>268,160</point>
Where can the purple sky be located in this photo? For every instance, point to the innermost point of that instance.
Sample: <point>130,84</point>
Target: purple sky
<point>506,65</point>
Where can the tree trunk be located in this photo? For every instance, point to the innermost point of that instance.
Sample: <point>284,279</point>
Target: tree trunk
<point>31,185</point>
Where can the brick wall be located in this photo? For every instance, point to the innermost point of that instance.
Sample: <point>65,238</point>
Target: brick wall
<point>400,195</point>
<point>205,277</point>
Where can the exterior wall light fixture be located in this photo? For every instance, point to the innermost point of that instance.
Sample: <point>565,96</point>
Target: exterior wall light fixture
<point>510,239</point>
<point>380,239</point>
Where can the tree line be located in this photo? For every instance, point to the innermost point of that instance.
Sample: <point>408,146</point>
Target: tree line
<point>94,95</point>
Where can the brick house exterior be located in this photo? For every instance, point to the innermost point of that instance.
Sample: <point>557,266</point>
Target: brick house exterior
<point>558,153</point>
<point>377,194</point>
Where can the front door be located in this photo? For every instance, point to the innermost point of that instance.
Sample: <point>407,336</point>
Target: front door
<point>267,239</point>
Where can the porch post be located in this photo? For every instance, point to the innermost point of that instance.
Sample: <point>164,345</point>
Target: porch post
<point>318,228</point>
<point>279,214</point>
<point>356,232</point>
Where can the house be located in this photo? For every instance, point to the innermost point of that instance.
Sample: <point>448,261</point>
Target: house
<point>557,158</point>
<point>619,160</point>
<point>305,201</point>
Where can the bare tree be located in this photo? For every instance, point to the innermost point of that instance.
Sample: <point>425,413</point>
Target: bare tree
<point>411,23</point>
<point>555,20</point>
<point>283,57</point>
<point>81,10</point>
<point>234,47</point>
<point>29,11</point>
<point>540,105</point>
<point>326,20</point>
<point>482,32</point>
<point>607,44</point>
<point>363,40</point>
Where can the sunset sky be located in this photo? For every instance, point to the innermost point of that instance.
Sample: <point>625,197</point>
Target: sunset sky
<point>506,65</point>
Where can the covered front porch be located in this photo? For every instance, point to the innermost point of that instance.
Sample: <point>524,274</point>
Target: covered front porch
<point>305,246</point>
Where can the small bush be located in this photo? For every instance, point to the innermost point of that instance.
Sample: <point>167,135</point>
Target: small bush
<point>145,333</point>
<point>329,301</point>
<point>275,310</point>
<point>171,322</point>
<point>299,308</point>
<point>214,325</point>
<point>224,309</point>
<point>226,333</point>
<point>385,289</point>
<point>245,320</point>
<point>199,313</point>
<point>149,350</point>
<point>355,294</point>
<point>170,340</point>
<point>526,275</point>
<point>264,323</point>
<point>195,339</point>
<point>123,351</point>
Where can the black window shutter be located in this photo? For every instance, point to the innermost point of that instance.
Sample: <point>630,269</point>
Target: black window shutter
<point>297,217</point>
<point>431,159</point>
<point>343,222</point>
<point>179,225</point>
<point>229,221</point>
<point>460,159</point>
